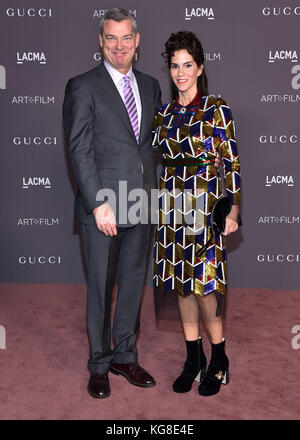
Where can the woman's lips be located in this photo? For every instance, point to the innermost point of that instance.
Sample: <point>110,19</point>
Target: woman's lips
<point>182,81</point>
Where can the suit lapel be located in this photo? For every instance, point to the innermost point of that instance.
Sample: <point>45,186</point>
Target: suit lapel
<point>143,96</point>
<point>113,95</point>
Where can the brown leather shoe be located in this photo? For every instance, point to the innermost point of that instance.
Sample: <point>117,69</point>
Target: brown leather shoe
<point>98,385</point>
<point>134,373</point>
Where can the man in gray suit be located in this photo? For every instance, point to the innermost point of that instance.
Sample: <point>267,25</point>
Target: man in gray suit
<point>108,115</point>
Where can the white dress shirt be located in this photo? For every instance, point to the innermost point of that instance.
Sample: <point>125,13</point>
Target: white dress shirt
<point>117,78</point>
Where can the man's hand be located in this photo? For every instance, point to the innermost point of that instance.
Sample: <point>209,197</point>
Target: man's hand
<point>105,219</point>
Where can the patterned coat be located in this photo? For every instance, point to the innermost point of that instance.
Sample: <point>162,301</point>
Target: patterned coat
<point>188,193</point>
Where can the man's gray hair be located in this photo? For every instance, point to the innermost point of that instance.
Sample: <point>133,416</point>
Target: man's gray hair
<point>118,14</point>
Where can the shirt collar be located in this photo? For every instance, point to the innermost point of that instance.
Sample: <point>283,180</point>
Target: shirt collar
<point>117,76</point>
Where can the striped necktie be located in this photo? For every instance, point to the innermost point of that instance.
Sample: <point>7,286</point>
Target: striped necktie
<point>131,106</point>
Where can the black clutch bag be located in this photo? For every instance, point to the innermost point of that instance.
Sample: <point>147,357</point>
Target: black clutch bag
<point>219,212</point>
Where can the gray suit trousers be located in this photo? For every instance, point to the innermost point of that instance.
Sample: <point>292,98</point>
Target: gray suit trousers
<point>126,255</point>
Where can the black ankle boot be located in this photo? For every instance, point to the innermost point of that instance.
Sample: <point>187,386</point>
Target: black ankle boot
<point>217,372</point>
<point>195,364</point>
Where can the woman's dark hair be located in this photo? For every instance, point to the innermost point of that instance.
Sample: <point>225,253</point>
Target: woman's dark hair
<point>186,40</point>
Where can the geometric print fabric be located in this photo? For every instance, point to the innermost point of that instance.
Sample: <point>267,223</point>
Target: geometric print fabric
<point>187,194</point>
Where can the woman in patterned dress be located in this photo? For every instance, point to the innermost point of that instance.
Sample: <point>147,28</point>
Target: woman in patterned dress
<point>190,131</point>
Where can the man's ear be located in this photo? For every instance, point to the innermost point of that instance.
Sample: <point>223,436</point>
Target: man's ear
<point>137,39</point>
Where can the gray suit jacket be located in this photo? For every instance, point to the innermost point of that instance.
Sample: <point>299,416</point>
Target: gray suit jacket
<point>102,145</point>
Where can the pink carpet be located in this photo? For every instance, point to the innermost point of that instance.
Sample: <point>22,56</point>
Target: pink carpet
<point>43,372</point>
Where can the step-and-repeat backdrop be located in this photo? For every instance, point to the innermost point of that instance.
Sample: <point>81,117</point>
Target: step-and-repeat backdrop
<point>251,51</point>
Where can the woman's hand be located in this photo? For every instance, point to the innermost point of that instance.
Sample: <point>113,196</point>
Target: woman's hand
<point>217,160</point>
<point>231,224</point>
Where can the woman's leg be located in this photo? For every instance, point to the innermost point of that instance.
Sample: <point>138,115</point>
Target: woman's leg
<point>189,315</point>
<point>217,371</point>
<point>195,363</point>
<point>213,324</point>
